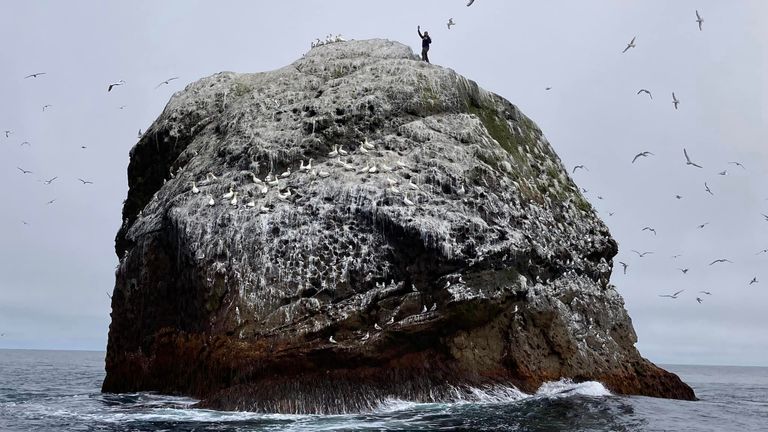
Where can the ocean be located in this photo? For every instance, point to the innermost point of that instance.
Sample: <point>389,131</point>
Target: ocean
<point>59,391</point>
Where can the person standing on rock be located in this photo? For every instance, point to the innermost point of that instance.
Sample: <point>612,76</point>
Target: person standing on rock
<point>425,41</point>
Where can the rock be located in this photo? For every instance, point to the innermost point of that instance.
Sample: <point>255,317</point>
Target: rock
<point>235,305</point>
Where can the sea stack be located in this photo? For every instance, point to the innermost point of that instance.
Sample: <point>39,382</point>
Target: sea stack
<point>496,275</point>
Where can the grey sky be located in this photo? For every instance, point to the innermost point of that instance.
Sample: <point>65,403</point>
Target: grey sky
<point>55,273</point>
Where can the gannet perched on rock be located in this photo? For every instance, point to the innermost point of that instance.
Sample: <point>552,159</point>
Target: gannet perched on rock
<point>286,173</point>
<point>342,151</point>
<point>229,194</point>
<point>195,190</point>
<point>251,204</point>
<point>377,326</point>
<point>332,340</point>
<point>407,201</point>
<point>255,179</point>
<point>323,174</point>
<point>234,199</point>
<point>367,145</point>
<point>210,177</point>
<point>211,201</point>
<point>335,152</point>
<point>366,337</point>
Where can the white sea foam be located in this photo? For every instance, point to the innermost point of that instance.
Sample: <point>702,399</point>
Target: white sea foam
<point>566,387</point>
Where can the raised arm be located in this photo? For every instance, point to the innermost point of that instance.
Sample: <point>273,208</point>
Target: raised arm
<point>418,29</point>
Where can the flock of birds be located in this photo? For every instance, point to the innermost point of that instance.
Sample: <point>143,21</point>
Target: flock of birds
<point>47,181</point>
<point>689,162</point>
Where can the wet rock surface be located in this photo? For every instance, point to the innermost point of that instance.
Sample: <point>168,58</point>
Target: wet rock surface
<point>441,244</point>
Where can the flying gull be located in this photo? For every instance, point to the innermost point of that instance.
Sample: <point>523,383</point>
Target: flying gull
<point>641,254</point>
<point>753,281</point>
<point>34,75</point>
<point>643,154</point>
<point>23,171</point>
<point>722,173</point>
<point>699,20</point>
<point>625,265</point>
<point>470,3</point>
<point>115,84</point>
<point>688,159</point>
<point>706,187</point>
<point>631,44</point>
<point>450,23</point>
<point>649,229</point>
<point>85,182</point>
<point>698,299</point>
<point>737,164</point>
<point>51,202</point>
<point>646,92</point>
<point>49,181</point>
<point>8,133</point>
<point>721,260</point>
<point>47,106</point>
<point>684,270</point>
<point>674,296</point>
<point>675,100</point>
<point>167,81</point>
<point>706,292</point>
<point>579,167</point>
<point>703,225</point>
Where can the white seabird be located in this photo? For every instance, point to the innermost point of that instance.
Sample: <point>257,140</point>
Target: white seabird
<point>211,201</point>
<point>450,23</point>
<point>210,177</point>
<point>332,340</point>
<point>368,145</point>
<point>675,100</point>
<point>631,44</point>
<point>366,337</point>
<point>699,20</point>
<point>377,326</point>
<point>408,202</point>
<point>229,194</point>
<point>335,152</point>
<point>115,84</point>
<point>286,173</point>
<point>195,190</point>
<point>342,151</point>
<point>323,174</point>
<point>234,199</point>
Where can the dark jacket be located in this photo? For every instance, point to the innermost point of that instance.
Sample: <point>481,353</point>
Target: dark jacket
<point>425,40</point>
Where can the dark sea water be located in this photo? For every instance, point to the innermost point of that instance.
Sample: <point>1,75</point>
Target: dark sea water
<point>59,391</point>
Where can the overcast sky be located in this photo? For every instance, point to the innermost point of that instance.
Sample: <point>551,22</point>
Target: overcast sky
<point>57,269</point>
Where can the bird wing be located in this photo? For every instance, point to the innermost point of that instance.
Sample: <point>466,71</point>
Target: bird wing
<point>675,294</point>
<point>632,42</point>
<point>697,15</point>
<point>636,156</point>
<point>687,159</point>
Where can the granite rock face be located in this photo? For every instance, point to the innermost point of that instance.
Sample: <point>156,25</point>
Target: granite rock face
<point>450,252</point>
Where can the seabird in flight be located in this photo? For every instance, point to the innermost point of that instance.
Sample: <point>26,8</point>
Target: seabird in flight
<point>35,75</point>
<point>643,154</point>
<point>674,296</point>
<point>166,81</point>
<point>688,159</point>
<point>631,44</point>
<point>646,92</point>
<point>115,84</point>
